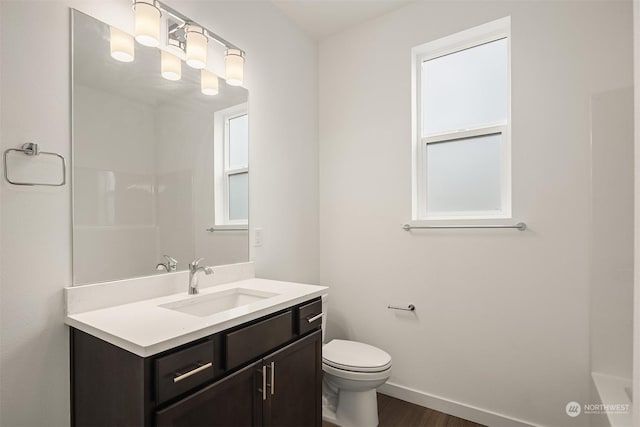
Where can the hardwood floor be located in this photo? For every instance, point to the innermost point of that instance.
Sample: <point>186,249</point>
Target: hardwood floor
<point>394,412</point>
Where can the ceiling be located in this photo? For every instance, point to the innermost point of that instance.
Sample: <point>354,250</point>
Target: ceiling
<point>322,18</point>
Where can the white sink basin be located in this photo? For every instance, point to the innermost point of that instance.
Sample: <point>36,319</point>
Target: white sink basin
<point>207,305</point>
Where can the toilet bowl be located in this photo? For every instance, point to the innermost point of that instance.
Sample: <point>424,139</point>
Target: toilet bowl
<point>352,371</point>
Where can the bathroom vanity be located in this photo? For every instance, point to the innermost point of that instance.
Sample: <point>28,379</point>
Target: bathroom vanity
<point>160,172</point>
<point>257,362</point>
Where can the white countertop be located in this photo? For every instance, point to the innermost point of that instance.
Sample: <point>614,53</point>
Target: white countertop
<point>144,328</point>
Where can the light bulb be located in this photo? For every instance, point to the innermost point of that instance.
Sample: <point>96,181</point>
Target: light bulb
<point>170,66</point>
<point>121,45</point>
<point>147,26</point>
<point>208,83</point>
<point>234,60</point>
<point>196,54</point>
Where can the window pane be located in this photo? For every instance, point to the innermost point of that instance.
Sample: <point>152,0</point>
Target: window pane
<point>239,142</point>
<point>464,175</point>
<point>239,196</point>
<point>465,89</point>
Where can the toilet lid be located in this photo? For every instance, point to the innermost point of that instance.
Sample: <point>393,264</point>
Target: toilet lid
<point>355,356</point>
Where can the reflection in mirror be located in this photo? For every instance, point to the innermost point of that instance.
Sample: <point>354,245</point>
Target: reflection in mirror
<point>159,168</point>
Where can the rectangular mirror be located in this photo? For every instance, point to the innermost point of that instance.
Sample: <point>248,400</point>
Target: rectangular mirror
<point>159,168</point>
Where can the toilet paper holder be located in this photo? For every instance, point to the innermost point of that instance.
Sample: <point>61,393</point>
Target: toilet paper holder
<point>409,307</point>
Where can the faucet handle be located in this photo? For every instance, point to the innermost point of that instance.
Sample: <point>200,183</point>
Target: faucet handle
<point>172,263</point>
<point>194,264</point>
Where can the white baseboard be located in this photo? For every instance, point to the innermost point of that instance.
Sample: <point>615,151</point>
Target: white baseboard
<point>457,409</point>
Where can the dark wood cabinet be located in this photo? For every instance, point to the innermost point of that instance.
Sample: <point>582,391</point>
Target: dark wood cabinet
<point>234,401</point>
<point>283,389</point>
<point>183,370</point>
<point>266,372</point>
<point>294,386</point>
<point>107,384</point>
<point>249,342</point>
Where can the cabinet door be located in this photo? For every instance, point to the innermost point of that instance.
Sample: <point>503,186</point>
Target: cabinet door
<point>234,401</point>
<point>294,384</point>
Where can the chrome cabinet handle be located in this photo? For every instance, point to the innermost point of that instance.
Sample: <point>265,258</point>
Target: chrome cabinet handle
<point>312,319</point>
<point>273,378</point>
<point>200,368</point>
<point>264,382</point>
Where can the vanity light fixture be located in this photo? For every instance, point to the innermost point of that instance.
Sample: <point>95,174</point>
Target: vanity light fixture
<point>192,38</point>
<point>208,82</point>
<point>170,66</point>
<point>181,33</point>
<point>147,23</point>
<point>196,47</point>
<point>234,61</point>
<point>121,45</point>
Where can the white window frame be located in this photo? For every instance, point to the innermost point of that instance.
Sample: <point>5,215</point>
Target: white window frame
<point>492,31</point>
<point>222,170</point>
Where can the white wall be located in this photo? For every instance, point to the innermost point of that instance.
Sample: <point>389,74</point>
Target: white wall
<point>611,289</point>
<point>36,222</point>
<point>36,258</point>
<point>502,319</point>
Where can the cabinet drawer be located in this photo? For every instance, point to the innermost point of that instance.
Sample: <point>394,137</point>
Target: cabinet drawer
<point>234,401</point>
<point>252,341</point>
<point>183,370</point>
<point>308,316</point>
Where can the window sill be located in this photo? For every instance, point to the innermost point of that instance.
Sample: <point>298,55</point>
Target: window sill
<point>479,219</point>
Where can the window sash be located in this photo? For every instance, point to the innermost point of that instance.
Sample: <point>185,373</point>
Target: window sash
<point>227,138</point>
<point>487,33</point>
<point>222,170</point>
<point>504,174</point>
<point>465,133</point>
<point>226,177</point>
<point>469,46</point>
<point>228,171</point>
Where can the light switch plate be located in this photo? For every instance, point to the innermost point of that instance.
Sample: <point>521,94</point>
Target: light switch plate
<point>257,237</point>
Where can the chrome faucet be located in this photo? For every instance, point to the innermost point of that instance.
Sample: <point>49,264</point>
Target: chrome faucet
<point>193,275</point>
<point>170,265</point>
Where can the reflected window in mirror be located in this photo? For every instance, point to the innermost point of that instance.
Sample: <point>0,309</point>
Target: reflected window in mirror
<point>231,142</point>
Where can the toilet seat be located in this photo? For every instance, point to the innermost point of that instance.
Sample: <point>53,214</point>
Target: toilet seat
<point>355,356</point>
<point>357,376</point>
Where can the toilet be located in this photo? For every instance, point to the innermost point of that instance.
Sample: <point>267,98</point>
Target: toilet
<point>352,371</point>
